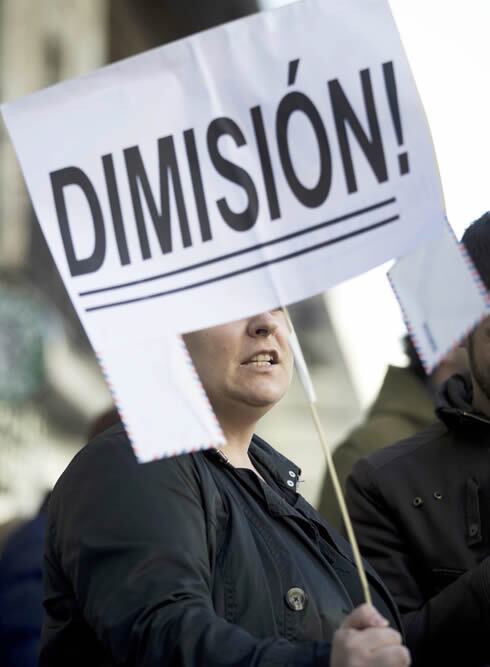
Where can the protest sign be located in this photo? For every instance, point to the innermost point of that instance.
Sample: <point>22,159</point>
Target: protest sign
<point>249,166</point>
<point>441,295</point>
<point>164,408</point>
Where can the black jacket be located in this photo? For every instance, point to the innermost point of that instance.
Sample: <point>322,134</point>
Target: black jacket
<point>177,562</point>
<point>21,592</point>
<point>421,510</point>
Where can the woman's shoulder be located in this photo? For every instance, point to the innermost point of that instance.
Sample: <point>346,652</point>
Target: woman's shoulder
<point>108,449</point>
<point>109,459</point>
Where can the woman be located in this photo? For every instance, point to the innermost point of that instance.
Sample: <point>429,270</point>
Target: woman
<point>209,558</point>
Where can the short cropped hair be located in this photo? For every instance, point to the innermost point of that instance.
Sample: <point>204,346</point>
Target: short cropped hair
<point>476,240</point>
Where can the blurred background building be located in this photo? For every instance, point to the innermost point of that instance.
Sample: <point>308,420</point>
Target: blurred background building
<point>50,388</point>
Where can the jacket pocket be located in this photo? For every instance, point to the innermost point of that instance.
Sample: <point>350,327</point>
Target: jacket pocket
<point>473,513</point>
<point>443,576</point>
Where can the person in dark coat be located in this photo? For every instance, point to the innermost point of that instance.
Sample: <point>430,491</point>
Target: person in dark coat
<point>21,586</point>
<point>21,593</point>
<point>210,558</point>
<point>403,407</point>
<point>421,509</point>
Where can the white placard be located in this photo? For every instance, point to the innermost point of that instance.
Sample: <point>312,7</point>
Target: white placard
<point>249,166</point>
<point>441,295</point>
<point>162,404</point>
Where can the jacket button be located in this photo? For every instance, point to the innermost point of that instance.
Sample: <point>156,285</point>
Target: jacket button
<point>290,483</point>
<point>292,473</point>
<point>417,501</point>
<point>437,495</point>
<point>296,599</point>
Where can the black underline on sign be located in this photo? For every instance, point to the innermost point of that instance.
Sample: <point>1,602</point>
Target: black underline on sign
<point>244,251</point>
<point>247,269</point>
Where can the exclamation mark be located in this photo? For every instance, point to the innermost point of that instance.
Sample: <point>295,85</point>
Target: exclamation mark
<point>390,84</point>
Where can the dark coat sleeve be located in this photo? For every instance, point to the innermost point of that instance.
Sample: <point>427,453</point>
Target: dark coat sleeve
<point>132,539</point>
<point>444,629</point>
<point>21,592</point>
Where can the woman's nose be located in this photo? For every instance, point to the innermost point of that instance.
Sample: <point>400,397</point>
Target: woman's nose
<point>262,325</point>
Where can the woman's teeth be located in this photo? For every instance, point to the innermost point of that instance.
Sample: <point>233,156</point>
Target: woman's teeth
<point>261,360</point>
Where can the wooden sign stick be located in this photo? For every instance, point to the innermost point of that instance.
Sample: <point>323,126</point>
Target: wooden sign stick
<point>305,378</point>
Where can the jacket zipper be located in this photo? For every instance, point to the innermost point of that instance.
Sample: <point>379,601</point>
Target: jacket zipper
<point>472,416</point>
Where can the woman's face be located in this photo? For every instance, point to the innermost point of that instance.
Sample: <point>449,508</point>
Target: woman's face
<point>244,365</point>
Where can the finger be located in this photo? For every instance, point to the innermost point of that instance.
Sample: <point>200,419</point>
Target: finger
<point>391,656</point>
<point>365,616</point>
<point>380,637</point>
<point>370,640</point>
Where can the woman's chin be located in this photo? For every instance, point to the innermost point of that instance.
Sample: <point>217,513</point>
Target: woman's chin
<point>265,399</point>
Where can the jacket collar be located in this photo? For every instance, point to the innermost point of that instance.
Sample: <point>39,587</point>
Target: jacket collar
<point>284,471</point>
<point>454,405</point>
<point>279,466</point>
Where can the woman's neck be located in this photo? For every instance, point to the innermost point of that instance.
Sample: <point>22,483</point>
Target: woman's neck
<point>236,448</point>
<point>238,431</point>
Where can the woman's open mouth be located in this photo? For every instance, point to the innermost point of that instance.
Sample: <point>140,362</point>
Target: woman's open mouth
<point>262,360</point>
